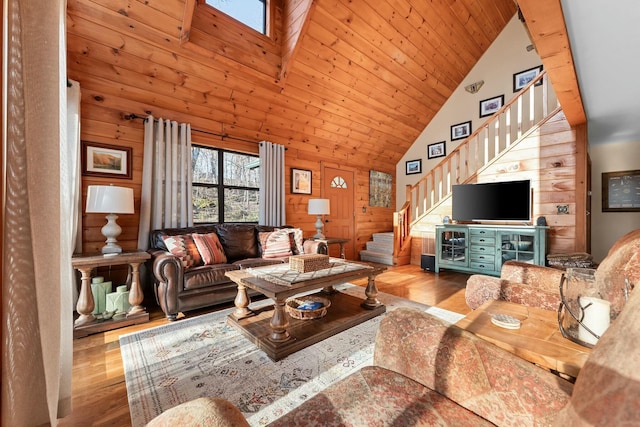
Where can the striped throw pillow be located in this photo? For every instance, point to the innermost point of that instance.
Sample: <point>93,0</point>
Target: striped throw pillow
<point>210,248</point>
<point>275,244</point>
<point>183,246</point>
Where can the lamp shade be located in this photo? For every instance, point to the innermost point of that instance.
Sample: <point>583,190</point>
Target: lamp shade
<point>109,199</point>
<point>319,206</point>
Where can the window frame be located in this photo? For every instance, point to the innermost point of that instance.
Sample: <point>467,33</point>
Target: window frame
<point>221,186</point>
<point>266,17</point>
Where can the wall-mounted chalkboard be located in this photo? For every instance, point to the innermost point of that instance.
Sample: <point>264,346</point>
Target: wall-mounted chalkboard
<point>621,191</point>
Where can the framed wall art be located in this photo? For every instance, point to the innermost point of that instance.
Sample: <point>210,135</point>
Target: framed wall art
<point>621,191</point>
<point>300,181</point>
<point>437,149</point>
<point>380,189</point>
<point>107,161</point>
<point>413,166</point>
<point>461,130</point>
<point>490,106</point>
<point>523,78</point>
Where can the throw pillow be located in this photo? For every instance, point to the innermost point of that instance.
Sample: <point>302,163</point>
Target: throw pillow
<point>210,248</point>
<point>275,244</point>
<point>183,246</point>
<point>297,246</point>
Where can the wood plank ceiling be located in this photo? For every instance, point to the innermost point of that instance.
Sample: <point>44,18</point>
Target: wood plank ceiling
<point>352,81</point>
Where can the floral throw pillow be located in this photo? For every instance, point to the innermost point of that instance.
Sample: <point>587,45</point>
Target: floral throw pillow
<point>210,248</point>
<point>183,246</point>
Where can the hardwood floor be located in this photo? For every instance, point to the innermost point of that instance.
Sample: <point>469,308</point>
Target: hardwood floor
<point>99,391</point>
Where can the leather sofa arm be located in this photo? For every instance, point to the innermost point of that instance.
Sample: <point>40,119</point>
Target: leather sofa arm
<point>315,247</point>
<point>474,373</point>
<point>169,277</point>
<point>482,288</point>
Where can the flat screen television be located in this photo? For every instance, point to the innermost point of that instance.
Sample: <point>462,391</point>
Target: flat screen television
<point>494,201</point>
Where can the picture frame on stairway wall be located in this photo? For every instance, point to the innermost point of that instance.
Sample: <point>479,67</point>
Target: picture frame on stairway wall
<point>413,166</point>
<point>522,78</point>
<point>437,149</point>
<point>490,106</point>
<point>461,130</point>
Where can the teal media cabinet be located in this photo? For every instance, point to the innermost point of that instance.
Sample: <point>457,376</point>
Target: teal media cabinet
<point>477,248</point>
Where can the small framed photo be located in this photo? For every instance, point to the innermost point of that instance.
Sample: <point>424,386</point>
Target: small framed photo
<point>107,161</point>
<point>621,191</point>
<point>490,106</point>
<point>523,78</point>
<point>436,150</point>
<point>413,166</point>
<point>461,130</point>
<point>300,181</point>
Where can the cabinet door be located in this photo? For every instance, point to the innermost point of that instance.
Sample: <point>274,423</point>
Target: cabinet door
<point>453,248</point>
<point>517,245</point>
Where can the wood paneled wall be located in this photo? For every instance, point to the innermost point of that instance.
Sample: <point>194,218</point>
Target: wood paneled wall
<point>350,82</point>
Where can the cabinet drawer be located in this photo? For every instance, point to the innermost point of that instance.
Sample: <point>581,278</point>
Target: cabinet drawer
<point>482,265</point>
<point>483,240</point>
<point>482,258</point>
<point>481,232</point>
<point>483,249</point>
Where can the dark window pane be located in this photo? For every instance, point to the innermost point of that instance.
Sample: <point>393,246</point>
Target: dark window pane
<point>240,205</point>
<point>205,204</point>
<point>241,170</point>
<point>205,165</point>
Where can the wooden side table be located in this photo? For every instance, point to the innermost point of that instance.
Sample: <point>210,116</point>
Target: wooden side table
<point>538,340</point>
<point>335,241</point>
<point>87,323</point>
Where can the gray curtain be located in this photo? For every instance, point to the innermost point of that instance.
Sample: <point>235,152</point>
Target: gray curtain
<point>272,202</point>
<point>166,199</point>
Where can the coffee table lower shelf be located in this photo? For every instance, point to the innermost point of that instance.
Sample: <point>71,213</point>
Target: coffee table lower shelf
<point>344,313</point>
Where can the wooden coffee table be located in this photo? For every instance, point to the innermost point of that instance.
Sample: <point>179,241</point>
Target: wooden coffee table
<point>538,340</point>
<point>278,334</point>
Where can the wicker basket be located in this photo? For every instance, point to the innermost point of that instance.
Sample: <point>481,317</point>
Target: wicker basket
<point>293,311</point>
<point>309,262</point>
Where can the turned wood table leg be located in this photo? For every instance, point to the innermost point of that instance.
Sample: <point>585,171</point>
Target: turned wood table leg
<point>136,296</point>
<point>242,302</point>
<point>85,305</point>
<point>279,323</point>
<point>371,292</point>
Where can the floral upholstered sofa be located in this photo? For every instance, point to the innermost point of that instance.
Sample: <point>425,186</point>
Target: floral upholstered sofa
<point>427,372</point>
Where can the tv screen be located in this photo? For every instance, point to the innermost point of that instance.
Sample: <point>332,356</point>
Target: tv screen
<point>495,201</point>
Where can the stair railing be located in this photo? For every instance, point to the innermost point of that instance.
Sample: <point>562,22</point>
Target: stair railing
<point>527,108</point>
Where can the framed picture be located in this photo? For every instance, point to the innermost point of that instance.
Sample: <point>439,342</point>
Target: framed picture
<point>523,78</point>
<point>108,161</point>
<point>490,106</point>
<point>300,181</point>
<point>436,150</point>
<point>461,130</point>
<point>380,189</point>
<point>621,191</point>
<point>413,166</point>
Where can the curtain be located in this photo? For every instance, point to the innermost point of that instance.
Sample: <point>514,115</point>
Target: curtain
<point>272,202</point>
<point>37,321</point>
<point>166,199</point>
<point>74,184</point>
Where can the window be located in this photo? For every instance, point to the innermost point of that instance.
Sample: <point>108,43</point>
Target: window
<point>252,13</point>
<point>225,185</point>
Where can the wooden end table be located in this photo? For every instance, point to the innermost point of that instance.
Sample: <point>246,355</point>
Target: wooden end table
<point>87,323</point>
<point>335,241</point>
<point>538,340</point>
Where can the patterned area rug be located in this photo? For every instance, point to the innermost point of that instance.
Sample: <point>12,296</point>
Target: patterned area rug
<point>203,356</point>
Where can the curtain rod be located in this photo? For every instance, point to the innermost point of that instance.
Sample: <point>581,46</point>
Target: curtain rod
<point>133,116</point>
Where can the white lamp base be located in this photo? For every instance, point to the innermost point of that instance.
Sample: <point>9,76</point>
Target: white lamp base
<point>319,226</point>
<point>111,230</point>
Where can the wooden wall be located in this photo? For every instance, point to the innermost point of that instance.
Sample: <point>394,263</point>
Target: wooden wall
<point>354,84</point>
<point>554,159</point>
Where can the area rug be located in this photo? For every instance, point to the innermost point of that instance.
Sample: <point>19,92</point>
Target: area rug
<point>203,356</point>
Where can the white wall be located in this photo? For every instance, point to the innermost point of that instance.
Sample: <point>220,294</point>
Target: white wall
<point>505,57</point>
<point>607,227</point>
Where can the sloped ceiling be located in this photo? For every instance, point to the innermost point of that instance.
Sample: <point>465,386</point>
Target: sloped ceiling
<point>353,80</point>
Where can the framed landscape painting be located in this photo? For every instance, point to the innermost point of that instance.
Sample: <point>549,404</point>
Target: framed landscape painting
<point>461,130</point>
<point>436,150</point>
<point>413,166</point>
<point>108,161</point>
<point>523,78</point>
<point>300,181</point>
<point>489,107</point>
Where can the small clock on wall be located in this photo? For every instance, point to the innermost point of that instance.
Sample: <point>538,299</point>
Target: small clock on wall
<point>446,220</point>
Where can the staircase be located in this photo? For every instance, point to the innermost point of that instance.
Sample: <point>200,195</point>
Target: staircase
<point>498,134</point>
<point>379,250</point>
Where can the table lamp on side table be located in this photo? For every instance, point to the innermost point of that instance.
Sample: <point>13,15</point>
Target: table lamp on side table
<point>111,200</point>
<point>319,207</point>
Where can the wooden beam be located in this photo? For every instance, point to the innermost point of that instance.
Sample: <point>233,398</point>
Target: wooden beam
<point>187,19</point>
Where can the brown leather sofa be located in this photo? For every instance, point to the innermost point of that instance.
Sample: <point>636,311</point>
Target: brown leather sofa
<point>178,289</point>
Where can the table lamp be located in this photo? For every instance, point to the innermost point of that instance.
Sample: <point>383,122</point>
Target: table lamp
<point>111,200</point>
<point>318,207</point>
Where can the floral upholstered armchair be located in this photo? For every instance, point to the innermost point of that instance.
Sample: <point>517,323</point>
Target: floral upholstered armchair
<point>538,286</point>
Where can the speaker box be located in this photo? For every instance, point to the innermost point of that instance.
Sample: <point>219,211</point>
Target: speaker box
<point>428,262</point>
